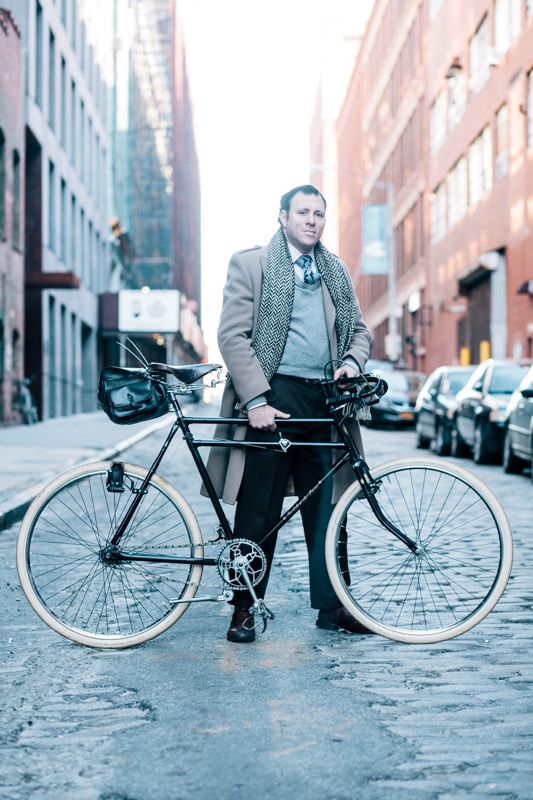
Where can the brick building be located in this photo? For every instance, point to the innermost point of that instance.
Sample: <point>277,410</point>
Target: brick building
<point>441,104</point>
<point>480,178</point>
<point>68,48</point>
<point>382,140</point>
<point>11,215</point>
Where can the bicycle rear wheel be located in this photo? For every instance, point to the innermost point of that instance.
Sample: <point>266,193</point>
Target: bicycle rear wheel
<point>463,561</point>
<point>70,584</point>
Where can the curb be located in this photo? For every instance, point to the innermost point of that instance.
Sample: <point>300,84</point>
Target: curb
<point>14,509</point>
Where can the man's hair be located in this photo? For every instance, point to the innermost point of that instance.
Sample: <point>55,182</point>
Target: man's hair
<point>285,202</point>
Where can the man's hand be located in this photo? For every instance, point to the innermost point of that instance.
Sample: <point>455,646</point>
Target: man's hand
<point>263,418</point>
<point>346,371</point>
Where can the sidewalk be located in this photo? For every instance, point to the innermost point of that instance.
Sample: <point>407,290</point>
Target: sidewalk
<point>31,455</point>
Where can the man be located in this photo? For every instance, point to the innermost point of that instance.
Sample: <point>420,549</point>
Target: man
<point>288,310</point>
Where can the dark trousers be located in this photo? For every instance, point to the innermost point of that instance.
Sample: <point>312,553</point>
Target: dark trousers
<point>260,500</point>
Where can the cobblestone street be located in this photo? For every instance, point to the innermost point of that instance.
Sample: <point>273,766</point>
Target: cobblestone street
<point>301,713</point>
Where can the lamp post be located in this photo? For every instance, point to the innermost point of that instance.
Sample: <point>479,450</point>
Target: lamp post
<point>393,345</point>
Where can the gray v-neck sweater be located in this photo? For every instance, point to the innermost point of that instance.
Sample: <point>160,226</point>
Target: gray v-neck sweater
<point>307,347</point>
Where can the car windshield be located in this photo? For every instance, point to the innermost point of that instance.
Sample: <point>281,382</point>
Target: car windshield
<point>505,379</point>
<point>453,382</point>
<point>397,381</point>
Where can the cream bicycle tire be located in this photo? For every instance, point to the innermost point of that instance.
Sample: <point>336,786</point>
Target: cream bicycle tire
<point>133,591</point>
<point>457,577</point>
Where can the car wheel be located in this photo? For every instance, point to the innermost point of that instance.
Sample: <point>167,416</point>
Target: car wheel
<point>480,450</point>
<point>422,442</point>
<point>458,449</point>
<point>442,445</point>
<point>511,464</point>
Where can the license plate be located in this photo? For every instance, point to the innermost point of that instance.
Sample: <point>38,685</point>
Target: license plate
<point>406,415</point>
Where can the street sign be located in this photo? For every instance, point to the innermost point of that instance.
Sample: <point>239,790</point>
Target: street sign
<point>156,311</point>
<point>375,251</point>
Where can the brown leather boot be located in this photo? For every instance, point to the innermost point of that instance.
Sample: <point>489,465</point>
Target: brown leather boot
<point>241,628</point>
<point>336,619</point>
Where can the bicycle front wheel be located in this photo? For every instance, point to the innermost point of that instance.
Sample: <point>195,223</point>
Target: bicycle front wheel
<point>64,572</point>
<point>461,566</point>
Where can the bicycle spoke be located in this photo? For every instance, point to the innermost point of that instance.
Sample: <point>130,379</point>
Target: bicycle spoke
<point>72,576</point>
<point>438,587</point>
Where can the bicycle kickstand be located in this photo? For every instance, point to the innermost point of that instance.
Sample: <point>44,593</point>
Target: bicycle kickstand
<point>259,607</point>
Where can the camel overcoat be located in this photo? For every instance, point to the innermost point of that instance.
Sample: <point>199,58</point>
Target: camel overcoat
<point>242,295</point>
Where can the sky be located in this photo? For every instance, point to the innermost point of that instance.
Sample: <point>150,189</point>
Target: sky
<point>254,69</point>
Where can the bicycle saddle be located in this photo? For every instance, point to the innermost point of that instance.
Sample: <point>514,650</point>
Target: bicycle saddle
<point>189,373</point>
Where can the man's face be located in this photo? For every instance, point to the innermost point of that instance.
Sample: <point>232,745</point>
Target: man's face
<point>304,223</point>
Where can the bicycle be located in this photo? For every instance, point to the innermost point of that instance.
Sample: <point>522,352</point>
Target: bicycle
<point>417,550</point>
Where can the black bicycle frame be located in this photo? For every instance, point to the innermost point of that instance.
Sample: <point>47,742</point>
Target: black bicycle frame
<point>351,455</point>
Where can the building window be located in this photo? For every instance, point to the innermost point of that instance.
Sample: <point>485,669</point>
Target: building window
<point>457,192</point>
<point>39,54</point>
<point>90,67</point>
<point>82,139</point>
<point>51,356</point>
<point>97,263</point>
<point>73,362</point>
<point>437,122</point>
<point>73,253</point>
<point>51,207</point>
<point>73,122</point>
<point>90,265</point>
<point>438,213</point>
<point>82,45</point>
<point>97,170</point>
<point>16,200</point>
<point>97,83</point>
<point>507,24</point>
<point>73,22</point>
<point>90,156</point>
<point>52,81</point>
<point>480,166</point>
<point>479,57</point>
<point>102,183</point>
<point>502,142</point>
<point>530,108</point>
<point>2,185</point>
<point>456,98</point>
<point>82,244</point>
<point>63,101</point>
<point>63,242</point>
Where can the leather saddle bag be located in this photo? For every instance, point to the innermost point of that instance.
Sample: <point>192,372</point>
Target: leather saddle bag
<point>129,395</point>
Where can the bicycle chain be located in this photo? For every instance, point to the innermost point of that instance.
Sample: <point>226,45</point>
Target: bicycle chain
<point>176,580</point>
<point>176,546</point>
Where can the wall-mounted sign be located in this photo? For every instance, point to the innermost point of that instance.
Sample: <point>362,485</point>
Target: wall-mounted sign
<point>375,255</point>
<point>156,311</point>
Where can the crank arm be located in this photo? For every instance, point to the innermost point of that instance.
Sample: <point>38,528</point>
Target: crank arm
<point>226,595</point>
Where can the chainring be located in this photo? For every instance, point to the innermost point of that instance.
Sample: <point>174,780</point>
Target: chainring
<point>234,550</point>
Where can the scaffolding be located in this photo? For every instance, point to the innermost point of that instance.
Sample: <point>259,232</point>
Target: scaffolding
<point>151,130</point>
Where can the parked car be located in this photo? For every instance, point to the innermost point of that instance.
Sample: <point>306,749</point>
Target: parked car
<point>518,441</point>
<point>480,416</point>
<point>436,405</point>
<point>397,407</point>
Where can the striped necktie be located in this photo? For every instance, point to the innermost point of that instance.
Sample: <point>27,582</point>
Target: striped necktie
<point>306,263</point>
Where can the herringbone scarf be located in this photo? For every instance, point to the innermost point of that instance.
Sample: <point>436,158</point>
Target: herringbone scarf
<point>277,296</point>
